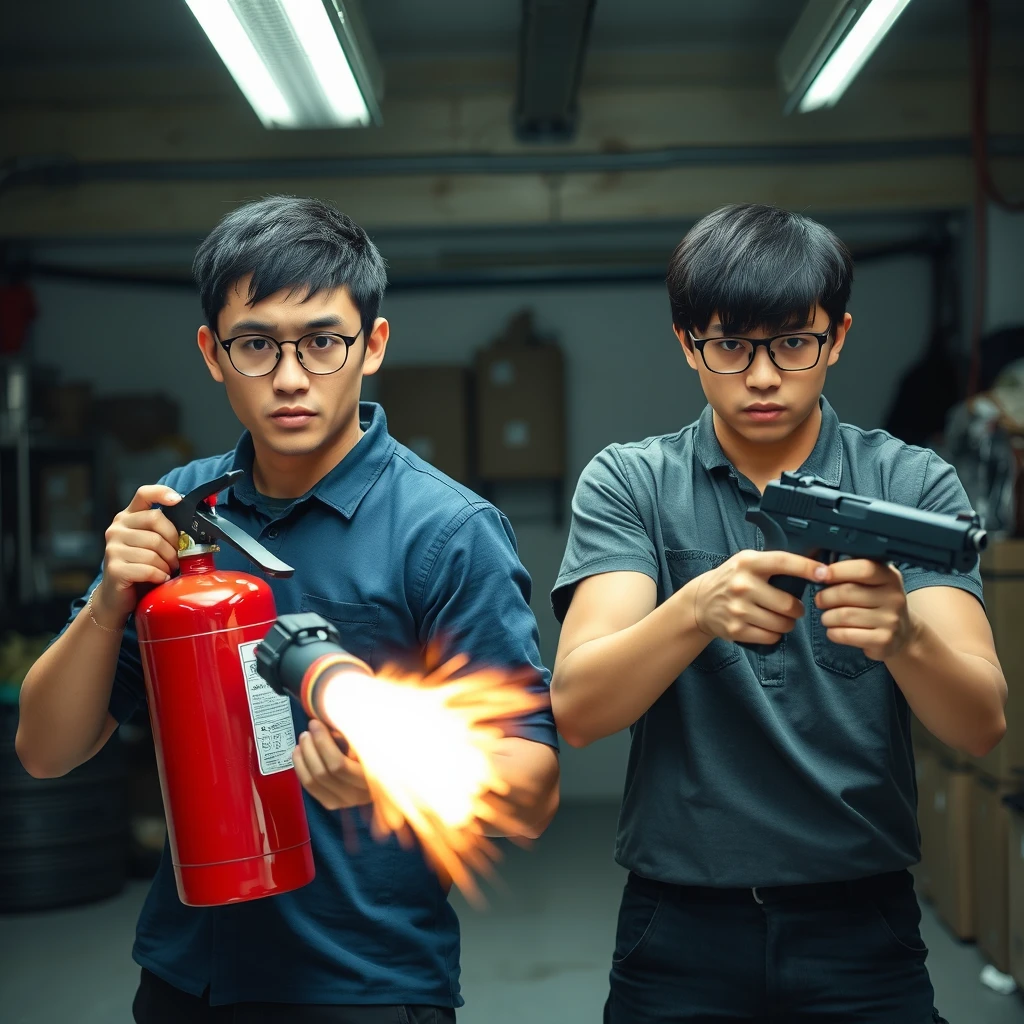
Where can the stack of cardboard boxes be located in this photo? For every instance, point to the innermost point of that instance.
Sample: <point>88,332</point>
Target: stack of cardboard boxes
<point>501,420</point>
<point>972,839</point>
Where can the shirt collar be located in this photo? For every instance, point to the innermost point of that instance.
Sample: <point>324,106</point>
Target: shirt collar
<point>825,460</point>
<point>345,486</point>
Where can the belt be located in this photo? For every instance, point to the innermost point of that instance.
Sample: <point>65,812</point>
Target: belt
<point>871,887</point>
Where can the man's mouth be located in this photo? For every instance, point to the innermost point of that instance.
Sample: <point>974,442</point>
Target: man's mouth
<point>292,417</point>
<point>764,411</point>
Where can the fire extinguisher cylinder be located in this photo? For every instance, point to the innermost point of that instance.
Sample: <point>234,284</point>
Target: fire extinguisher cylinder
<point>234,806</point>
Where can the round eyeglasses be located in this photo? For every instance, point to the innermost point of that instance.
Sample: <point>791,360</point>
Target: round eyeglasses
<point>256,355</point>
<point>792,351</point>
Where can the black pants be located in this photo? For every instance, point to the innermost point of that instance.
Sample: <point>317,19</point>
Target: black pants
<point>841,953</point>
<point>156,1002</point>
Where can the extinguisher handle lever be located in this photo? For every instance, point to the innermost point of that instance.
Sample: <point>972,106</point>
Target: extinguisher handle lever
<point>195,516</point>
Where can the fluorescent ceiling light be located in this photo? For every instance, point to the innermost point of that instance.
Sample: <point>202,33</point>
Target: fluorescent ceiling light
<point>829,44</point>
<point>299,63</point>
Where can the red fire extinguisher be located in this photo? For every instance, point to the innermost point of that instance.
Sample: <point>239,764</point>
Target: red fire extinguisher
<point>235,817</point>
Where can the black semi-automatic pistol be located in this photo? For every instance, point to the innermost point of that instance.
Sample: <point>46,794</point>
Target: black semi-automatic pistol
<point>805,515</point>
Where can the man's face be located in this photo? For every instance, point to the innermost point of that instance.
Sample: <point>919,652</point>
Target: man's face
<point>765,403</point>
<point>292,410</point>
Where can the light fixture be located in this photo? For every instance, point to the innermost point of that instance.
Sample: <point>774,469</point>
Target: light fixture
<point>299,63</point>
<point>830,42</point>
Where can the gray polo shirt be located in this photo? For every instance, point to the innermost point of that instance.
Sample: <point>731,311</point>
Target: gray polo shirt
<point>751,770</point>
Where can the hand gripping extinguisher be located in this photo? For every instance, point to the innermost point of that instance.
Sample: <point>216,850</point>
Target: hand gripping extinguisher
<point>235,817</point>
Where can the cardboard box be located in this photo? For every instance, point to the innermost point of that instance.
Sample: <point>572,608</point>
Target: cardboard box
<point>1002,569</point>
<point>1015,854</point>
<point>990,825</point>
<point>427,410</point>
<point>520,401</point>
<point>944,813</point>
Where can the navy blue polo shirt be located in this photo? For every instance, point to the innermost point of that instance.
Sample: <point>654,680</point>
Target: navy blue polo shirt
<point>757,769</point>
<point>398,557</point>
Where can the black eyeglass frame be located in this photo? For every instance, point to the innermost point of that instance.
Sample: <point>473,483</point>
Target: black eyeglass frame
<point>349,341</point>
<point>821,337</point>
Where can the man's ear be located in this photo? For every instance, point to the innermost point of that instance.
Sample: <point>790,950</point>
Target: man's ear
<point>376,346</point>
<point>209,347</point>
<point>839,339</point>
<point>688,349</point>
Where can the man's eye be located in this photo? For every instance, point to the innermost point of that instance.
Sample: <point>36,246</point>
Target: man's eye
<point>729,345</point>
<point>322,341</point>
<point>256,344</point>
<point>795,342</point>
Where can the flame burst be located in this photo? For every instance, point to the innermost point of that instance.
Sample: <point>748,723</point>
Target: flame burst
<point>426,744</point>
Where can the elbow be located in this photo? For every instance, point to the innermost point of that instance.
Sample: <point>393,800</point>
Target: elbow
<point>568,718</point>
<point>576,738</point>
<point>988,740</point>
<point>570,728</point>
<point>37,767</point>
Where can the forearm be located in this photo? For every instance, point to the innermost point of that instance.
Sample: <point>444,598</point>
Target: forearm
<point>530,770</point>
<point>958,697</point>
<point>606,684</point>
<point>64,699</point>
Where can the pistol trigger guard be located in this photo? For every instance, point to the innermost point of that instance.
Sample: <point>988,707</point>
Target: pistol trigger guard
<point>775,538</point>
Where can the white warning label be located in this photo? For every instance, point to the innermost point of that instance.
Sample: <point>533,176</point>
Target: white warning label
<point>271,716</point>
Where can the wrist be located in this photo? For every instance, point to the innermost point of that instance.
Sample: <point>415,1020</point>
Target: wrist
<point>688,598</point>
<point>914,639</point>
<point>109,615</point>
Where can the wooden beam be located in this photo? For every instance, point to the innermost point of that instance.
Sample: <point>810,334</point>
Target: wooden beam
<point>612,120</point>
<point>190,209</point>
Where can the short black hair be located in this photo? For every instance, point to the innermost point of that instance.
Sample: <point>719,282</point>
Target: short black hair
<point>289,242</point>
<point>757,267</point>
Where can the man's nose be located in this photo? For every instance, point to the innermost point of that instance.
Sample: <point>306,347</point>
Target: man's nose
<point>763,373</point>
<point>290,374</point>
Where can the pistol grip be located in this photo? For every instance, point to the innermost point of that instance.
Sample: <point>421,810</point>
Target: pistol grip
<point>791,585</point>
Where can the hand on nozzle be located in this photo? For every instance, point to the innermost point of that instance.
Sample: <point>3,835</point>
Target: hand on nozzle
<point>141,548</point>
<point>736,602</point>
<point>334,779</point>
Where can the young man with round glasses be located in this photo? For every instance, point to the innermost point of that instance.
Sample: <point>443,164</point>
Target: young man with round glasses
<point>768,819</point>
<point>401,558</point>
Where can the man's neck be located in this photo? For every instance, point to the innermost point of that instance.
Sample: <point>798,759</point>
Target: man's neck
<point>290,476</point>
<point>761,463</point>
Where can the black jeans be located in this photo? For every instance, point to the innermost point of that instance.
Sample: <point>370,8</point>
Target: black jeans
<point>156,1002</point>
<point>841,953</point>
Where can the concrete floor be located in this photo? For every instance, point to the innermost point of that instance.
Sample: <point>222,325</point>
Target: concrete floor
<point>539,953</point>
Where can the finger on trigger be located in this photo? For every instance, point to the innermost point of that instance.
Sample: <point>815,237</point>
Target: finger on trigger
<point>788,563</point>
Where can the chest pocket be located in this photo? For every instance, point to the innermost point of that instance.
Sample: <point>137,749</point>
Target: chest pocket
<point>684,566</point>
<point>356,624</point>
<point>838,658</point>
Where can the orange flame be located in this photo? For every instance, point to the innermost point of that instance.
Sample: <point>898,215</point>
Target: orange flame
<point>426,745</point>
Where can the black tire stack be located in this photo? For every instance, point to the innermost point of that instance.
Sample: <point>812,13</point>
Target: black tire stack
<point>62,841</point>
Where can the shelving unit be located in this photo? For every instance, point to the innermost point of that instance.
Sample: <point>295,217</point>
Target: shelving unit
<point>25,453</point>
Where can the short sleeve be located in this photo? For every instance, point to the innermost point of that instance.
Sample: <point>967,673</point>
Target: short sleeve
<point>942,492</point>
<point>476,601</point>
<point>607,533</point>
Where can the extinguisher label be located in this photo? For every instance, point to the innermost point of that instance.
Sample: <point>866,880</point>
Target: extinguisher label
<point>271,716</point>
